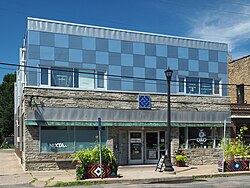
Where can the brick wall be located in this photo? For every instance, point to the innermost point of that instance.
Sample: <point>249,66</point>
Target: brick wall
<point>238,73</point>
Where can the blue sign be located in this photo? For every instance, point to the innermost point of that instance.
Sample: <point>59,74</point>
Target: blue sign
<point>144,102</point>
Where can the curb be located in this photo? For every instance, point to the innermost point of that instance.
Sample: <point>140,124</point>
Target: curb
<point>226,174</point>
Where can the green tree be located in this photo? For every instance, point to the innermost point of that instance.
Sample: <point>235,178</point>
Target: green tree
<point>7,106</point>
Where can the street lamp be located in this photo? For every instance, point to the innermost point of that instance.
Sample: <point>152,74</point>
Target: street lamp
<point>168,164</point>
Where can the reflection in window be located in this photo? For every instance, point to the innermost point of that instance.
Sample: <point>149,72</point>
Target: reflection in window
<point>192,85</point>
<point>44,76</point>
<point>216,87</point>
<point>206,86</point>
<point>86,79</point>
<point>62,77</point>
<point>181,84</point>
<point>100,79</point>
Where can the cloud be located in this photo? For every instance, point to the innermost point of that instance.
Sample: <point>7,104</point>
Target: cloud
<point>231,26</point>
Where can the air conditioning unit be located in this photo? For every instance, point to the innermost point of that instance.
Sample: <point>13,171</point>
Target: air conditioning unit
<point>18,139</point>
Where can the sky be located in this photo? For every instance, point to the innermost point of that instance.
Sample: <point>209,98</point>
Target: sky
<point>225,21</point>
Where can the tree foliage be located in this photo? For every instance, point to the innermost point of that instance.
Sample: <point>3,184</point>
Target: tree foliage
<point>7,106</point>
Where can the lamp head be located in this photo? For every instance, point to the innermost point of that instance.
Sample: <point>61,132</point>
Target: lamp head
<point>168,74</point>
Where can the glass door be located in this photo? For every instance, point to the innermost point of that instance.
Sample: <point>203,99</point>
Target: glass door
<point>135,148</point>
<point>152,147</point>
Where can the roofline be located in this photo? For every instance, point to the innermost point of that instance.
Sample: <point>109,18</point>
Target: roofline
<point>240,59</point>
<point>122,30</point>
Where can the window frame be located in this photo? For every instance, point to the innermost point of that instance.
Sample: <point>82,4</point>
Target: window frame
<point>199,86</point>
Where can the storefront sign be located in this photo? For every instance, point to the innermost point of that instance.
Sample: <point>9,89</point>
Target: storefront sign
<point>135,140</point>
<point>57,145</point>
<point>202,137</point>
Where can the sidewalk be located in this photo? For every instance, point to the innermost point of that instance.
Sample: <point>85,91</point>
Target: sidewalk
<point>11,173</point>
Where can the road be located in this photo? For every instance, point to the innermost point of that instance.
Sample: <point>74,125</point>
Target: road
<point>219,182</point>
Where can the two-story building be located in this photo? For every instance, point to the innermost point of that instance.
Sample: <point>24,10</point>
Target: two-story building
<point>71,74</point>
<point>239,91</point>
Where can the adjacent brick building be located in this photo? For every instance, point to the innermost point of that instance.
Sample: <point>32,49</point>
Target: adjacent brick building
<point>239,91</point>
<point>71,74</point>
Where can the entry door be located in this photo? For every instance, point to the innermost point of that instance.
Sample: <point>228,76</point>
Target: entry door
<point>152,147</point>
<point>135,148</point>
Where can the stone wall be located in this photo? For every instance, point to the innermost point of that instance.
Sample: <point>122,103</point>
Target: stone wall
<point>238,73</point>
<point>117,136</point>
<point>116,100</point>
<point>204,156</point>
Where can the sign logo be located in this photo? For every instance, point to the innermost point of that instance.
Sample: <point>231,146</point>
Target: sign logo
<point>57,145</point>
<point>202,137</point>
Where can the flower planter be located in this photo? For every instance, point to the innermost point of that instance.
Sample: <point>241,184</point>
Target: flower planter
<point>233,166</point>
<point>94,171</point>
<point>180,164</point>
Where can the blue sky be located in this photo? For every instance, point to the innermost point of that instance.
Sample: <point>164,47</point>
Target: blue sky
<point>221,21</point>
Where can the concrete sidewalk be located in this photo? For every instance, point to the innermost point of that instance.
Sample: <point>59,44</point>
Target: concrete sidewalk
<point>11,173</point>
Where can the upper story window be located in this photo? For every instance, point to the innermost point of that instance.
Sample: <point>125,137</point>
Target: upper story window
<point>74,78</point>
<point>240,94</point>
<point>203,86</point>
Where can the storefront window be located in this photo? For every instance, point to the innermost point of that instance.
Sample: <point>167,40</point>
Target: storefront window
<point>87,137</point>
<point>63,139</point>
<point>57,139</point>
<point>200,137</point>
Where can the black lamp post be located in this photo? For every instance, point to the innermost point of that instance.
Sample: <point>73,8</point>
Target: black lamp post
<point>168,164</point>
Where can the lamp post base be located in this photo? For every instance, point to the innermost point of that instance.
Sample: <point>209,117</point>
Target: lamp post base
<point>168,167</point>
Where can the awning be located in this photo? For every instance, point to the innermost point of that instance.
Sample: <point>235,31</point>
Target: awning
<point>123,124</point>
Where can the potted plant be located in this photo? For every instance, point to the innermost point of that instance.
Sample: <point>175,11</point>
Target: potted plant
<point>181,158</point>
<point>88,165</point>
<point>235,154</point>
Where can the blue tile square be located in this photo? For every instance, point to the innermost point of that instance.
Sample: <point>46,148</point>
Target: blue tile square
<point>127,71</point>
<point>213,55</point>
<point>47,39</point>
<point>161,86</point>
<point>193,53</point>
<point>115,70</point>
<point>161,63</point>
<point>89,56</point>
<point>75,42</point>
<point>102,45</point>
<point>161,50</point>
<point>34,37</point>
<point>114,58</point>
<point>223,68</point>
<point>114,83</point>
<point>150,86</point>
<point>150,73</point>
<point>222,57</point>
<point>127,60</point>
<point>203,66</point>
<point>193,65</point>
<point>173,51</point>
<point>88,43</point>
<point>62,63</point>
<point>139,60</point>
<point>213,67</point>
<point>172,63</point>
<point>139,85</point>
<point>203,55</point>
<point>139,72</point>
<point>127,47</point>
<point>75,55</point>
<point>150,49</point>
<point>61,40</point>
<point>127,84</point>
<point>150,61</point>
<point>47,53</point>
<point>115,46</point>
<point>34,52</point>
<point>102,58</point>
<point>61,54</point>
<point>183,64</point>
<point>139,48</point>
<point>182,53</point>
<point>160,74</point>
<point>193,73</point>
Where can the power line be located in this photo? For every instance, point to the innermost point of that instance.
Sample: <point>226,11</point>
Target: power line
<point>64,69</point>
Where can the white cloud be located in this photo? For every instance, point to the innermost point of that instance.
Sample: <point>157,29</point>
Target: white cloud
<point>230,28</point>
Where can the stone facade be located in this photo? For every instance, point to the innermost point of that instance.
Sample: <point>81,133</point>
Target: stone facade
<point>117,136</point>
